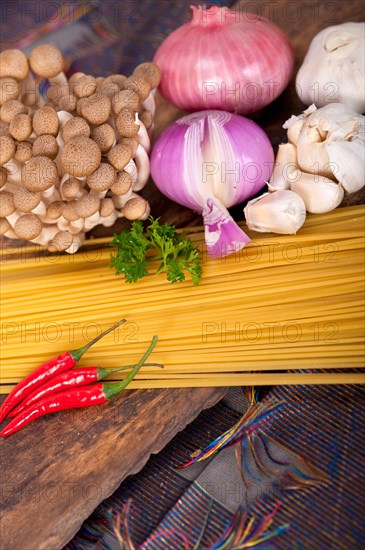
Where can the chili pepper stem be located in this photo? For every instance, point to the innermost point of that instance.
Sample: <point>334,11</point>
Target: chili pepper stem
<point>78,353</point>
<point>103,373</point>
<point>111,389</point>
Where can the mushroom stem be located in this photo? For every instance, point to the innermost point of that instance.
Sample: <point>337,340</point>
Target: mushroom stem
<point>29,92</point>
<point>143,168</point>
<point>143,137</point>
<point>149,103</point>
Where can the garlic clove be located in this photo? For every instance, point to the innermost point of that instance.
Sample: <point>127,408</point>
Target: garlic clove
<point>312,152</point>
<point>319,194</point>
<point>294,124</point>
<point>281,212</point>
<point>348,159</point>
<point>285,163</point>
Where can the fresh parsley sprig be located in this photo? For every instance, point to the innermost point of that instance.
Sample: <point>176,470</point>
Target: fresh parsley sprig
<point>177,253</point>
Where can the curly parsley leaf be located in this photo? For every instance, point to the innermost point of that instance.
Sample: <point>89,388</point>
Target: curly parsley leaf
<point>178,254</point>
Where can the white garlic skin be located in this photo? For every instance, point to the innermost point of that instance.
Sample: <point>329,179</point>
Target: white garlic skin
<point>333,68</point>
<point>320,195</point>
<point>286,162</point>
<point>280,212</point>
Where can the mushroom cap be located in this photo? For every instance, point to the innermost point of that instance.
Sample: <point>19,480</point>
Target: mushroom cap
<point>61,241</point>
<point>55,92</point>
<point>28,227</point>
<point>84,86</point>
<point>67,102</point>
<point>6,204</point>
<point>74,127</point>
<point>13,63</point>
<point>132,142</point>
<point>102,179</point>
<point>80,156</point>
<point>75,77</point>
<point>55,209</point>
<point>39,174</point>
<point>87,206</point>
<point>3,176</point>
<point>125,99</point>
<point>4,128</point>
<point>79,105</point>
<point>150,71</point>
<point>24,151</point>
<point>68,211</point>
<point>108,86</point>
<point>4,226</point>
<point>126,123</point>
<point>146,118</point>
<point>139,84</point>
<point>106,207</point>
<point>70,188</point>
<point>123,183</point>
<point>96,108</point>
<point>9,89</point>
<point>104,136</point>
<point>45,121</point>
<point>135,208</point>
<point>120,155</point>
<point>25,200</point>
<point>20,127</point>
<point>10,109</point>
<point>45,145</point>
<point>7,149</point>
<point>46,60</point>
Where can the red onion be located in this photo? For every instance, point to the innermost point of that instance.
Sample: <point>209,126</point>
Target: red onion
<point>210,161</point>
<point>222,59</point>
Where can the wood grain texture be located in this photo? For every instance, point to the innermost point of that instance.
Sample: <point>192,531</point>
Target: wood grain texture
<point>55,472</point>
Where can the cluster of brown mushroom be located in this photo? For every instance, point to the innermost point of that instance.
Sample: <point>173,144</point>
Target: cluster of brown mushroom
<point>75,158</point>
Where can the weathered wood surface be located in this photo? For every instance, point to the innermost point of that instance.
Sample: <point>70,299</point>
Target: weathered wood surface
<point>55,473</point>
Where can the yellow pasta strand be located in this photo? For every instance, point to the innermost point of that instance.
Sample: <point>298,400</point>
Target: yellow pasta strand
<point>283,303</point>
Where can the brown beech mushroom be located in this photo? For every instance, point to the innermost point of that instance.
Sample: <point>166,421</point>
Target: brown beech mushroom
<point>71,188</point>
<point>79,105</point>
<point>80,156</point>
<point>104,136</point>
<point>28,227</point>
<point>96,108</point>
<point>139,84</point>
<point>107,212</point>
<point>47,61</point>
<point>67,102</point>
<point>120,155</point>
<point>123,184</point>
<point>9,89</point>
<point>77,126</point>
<point>3,176</point>
<point>5,227</point>
<point>45,145</point>
<point>132,142</point>
<point>6,204</point>
<point>102,179</point>
<point>108,86</point>
<point>24,151</point>
<point>136,209</point>
<point>13,63</point>
<point>150,71</point>
<point>61,242</point>
<point>7,149</point>
<point>39,174</point>
<point>87,206</point>
<point>20,127</point>
<point>45,121</point>
<point>10,109</point>
<point>84,86</point>
<point>125,99</point>
<point>69,212</point>
<point>126,123</point>
<point>146,118</point>
<point>74,78</point>
<point>55,210</point>
<point>28,201</point>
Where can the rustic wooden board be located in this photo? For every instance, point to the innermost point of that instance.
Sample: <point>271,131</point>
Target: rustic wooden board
<point>54,473</point>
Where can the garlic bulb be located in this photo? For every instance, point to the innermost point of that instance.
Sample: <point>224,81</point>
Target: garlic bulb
<point>280,212</point>
<point>331,143</point>
<point>319,194</point>
<point>333,69</point>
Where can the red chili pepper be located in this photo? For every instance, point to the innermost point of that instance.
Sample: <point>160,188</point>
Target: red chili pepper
<point>47,370</point>
<point>94,394</point>
<point>69,380</point>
